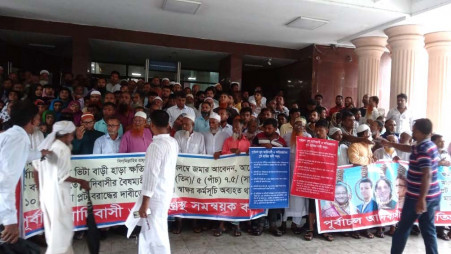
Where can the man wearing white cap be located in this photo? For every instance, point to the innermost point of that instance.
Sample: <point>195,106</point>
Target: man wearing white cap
<point>190,141</point>
<point>54,187</point>
<point>44,77</point>
<point>214,139</point>
<point>138,138</point>
<point>360,153</point>
<point>85,135</point>
<point>179,108</point>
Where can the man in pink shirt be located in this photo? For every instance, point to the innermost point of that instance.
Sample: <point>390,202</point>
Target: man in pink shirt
<point>237,143</point>
<point>138,138</point>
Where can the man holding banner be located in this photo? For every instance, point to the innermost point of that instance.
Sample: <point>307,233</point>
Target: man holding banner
<point>423,191</point>
<point>158,185</point>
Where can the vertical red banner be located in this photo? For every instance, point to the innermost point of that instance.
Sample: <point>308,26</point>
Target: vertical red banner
<point>315,169</point>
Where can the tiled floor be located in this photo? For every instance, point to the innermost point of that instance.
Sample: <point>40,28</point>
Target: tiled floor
<point>192,243</point>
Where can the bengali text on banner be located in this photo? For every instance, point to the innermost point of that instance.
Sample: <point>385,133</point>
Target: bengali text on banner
<point>204,188</point>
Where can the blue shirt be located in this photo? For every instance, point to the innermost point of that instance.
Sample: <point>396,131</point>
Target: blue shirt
<point>105,145</point>
<point>424,155</point>
<point>102,127</point>
<point>202,125</point>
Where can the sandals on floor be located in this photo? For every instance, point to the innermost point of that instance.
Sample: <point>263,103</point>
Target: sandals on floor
<point>218,232</point>
<point>296,230</point>
<point>366,233</point>
<point>257,231</point>
<point>236,232</point>
<point>355,235</point>
<point>443,236</point>
<point>275,231</point>
<point>380,233</point>
<point>328,237</point>
<point>392,230</point>
<point>308,236</point>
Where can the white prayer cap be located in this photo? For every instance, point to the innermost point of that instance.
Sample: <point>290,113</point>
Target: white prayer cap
<point>141,114</point>
<point>95,92</point>
<point>158,98</point>
<point>60,128</point>
<point>172,83</point>
<point>208,98</point>
<point>333,130</point>
<point>191,117</point>
<point>362,128</point>
<point>44,71</point>
<point>252,101</point>
<point>213,115</point>
<point>177,84</point>
<point>190,95</point>
<point>165,79</point>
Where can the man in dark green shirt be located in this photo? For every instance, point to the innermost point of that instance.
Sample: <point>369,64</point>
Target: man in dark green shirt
<point>85,135</point>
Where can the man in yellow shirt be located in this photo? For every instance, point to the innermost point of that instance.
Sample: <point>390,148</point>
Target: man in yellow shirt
<point>360,153</point>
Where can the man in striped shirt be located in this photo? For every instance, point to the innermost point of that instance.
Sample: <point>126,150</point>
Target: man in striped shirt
<point>423,191</point>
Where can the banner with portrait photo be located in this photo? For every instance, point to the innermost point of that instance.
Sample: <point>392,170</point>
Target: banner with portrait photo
<point>204,188</point>
<point>373,195</point>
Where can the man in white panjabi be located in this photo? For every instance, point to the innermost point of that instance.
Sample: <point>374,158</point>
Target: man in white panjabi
<point>157,189</point>
<point>54,188</point>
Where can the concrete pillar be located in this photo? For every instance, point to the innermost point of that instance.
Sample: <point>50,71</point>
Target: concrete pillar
<point>231,68</point>
<point>81,57</point>
<point>409,67</point>
<point>438,46</point>
<point>369,50</point>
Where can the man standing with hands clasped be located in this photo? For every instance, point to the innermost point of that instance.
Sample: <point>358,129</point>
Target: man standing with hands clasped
<point>158,185</point>
<point>423,192</point>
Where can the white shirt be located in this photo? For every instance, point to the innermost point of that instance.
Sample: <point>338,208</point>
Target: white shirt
<point>106,145</point>
<point>380,154</point>
<point>35,139</point>
<point>443,155</point>
<point>343,158</point>
<point>228,129</point>
<point>214,143</point>
<point>113,88</point>
<point>195,144</point>
<point>404,156</point>
<point>404,121</point>
<point>175,112</point>
<point>159,169</point>
<point>14,149</point>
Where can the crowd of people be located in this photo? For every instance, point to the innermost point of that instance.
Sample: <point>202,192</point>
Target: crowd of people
<point>113,116</point>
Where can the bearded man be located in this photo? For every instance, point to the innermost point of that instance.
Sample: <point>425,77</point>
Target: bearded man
<point>138,138</point>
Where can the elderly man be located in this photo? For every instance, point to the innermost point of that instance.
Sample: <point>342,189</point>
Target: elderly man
<point>214,139</point>
<point>138,138</point>
<point>190,141</point>
<point>54,186</point>
<point>179,108</point>
<point>14,151</point>
<point>109,111</point>
<point>85,136</point>
<point>110,142</point>
<point>387,153</point>
<point>360,153</point>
